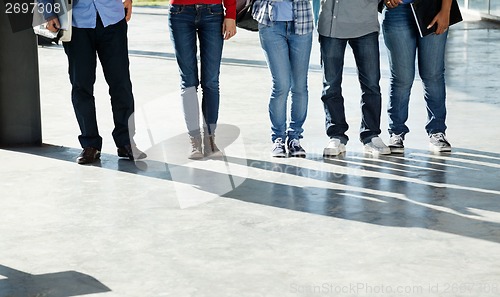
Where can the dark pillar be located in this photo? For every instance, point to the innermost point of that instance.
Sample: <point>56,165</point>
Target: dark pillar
<point>20,120</point>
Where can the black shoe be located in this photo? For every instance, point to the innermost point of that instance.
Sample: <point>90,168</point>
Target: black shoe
<point>127,151</point>
<point>88,155</point>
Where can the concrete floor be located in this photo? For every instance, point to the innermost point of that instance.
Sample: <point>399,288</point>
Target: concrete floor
<point>418,224</point>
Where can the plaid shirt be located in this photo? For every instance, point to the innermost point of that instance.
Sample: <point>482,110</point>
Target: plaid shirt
<point>302,14</point>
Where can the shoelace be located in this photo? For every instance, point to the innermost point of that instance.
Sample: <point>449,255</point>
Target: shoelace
<point>195,144</point>
<point>397,138</point>
<point>439,137</point>
<point>295,143</point>
<point>278,145</point>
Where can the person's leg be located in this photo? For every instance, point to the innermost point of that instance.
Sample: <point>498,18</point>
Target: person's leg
<point>366,54</point>
<point>274,43</point>
<point>400,37</point>
<point>112,48</point>
<point>209,26</point>
<point>431,51</point>
<point>273,40</point>
<point>300,52</point>
<point>332,60</point>
<point>211,44</point>
<point>183,35</point>
<point>191,109</point>
<point>81,52</point>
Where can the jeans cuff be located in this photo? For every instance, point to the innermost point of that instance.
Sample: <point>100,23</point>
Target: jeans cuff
<point>368,138</point>
<point>342,139</point>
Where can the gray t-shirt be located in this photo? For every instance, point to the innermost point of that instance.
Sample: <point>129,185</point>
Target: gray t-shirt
<point>348,18</point>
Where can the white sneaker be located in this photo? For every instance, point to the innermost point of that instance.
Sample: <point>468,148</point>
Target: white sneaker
<point>377,147</point>
<point>278,150</point>
<point>334,148</point>
<point>439,143</point>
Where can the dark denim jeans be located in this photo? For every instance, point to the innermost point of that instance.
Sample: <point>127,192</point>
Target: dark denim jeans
<point>366,54</point>
<point>403,43</point>
<point>287,56</point>
<point>187,22</point>
<point>110,43</point>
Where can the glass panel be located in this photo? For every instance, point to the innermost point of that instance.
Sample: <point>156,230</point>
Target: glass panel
<point>495,8</point>
<point>479,5</point>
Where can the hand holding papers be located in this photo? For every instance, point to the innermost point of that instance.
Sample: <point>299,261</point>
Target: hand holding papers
<point>59,8</point>
<point>424,12</point>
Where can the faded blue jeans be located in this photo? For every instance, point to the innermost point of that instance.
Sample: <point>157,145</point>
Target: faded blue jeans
<point>366,54</point>
<point>403,43</point>
<point>187,22</point>
<point>287,56</point>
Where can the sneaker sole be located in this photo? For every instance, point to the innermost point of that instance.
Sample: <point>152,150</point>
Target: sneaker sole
<point>374,152</point>
<point>297,154</point>
<point>332,152</point>
<point>438,149</point>
<point>397,150</point>
<point>279,155</point>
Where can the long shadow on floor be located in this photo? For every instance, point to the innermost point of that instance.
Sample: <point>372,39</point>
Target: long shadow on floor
<point>59,284</point>
<point>455,193</point>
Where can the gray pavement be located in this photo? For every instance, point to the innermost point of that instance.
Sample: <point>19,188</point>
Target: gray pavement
<point>418,224</point>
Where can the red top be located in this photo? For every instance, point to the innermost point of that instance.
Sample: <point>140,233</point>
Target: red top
<point>229,5</point>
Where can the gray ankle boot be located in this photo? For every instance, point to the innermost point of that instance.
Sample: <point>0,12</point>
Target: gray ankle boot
<point>209,147</point>
<point>196,152</point>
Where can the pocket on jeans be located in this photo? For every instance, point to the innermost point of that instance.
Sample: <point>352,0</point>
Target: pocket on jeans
<point>175,9</point>
<point>262,26</point>
<point>216,9</point>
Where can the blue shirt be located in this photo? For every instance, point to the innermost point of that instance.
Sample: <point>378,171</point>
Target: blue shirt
<point>303,20</point>
<point>85,12</point>
<point>283,11</point>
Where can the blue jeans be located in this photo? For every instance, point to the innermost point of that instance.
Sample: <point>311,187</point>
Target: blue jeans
<point>287,56</point>
<point>403,43</point>
<point>110,44</point>
<point>205,21</point>
<point>366,54</point>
